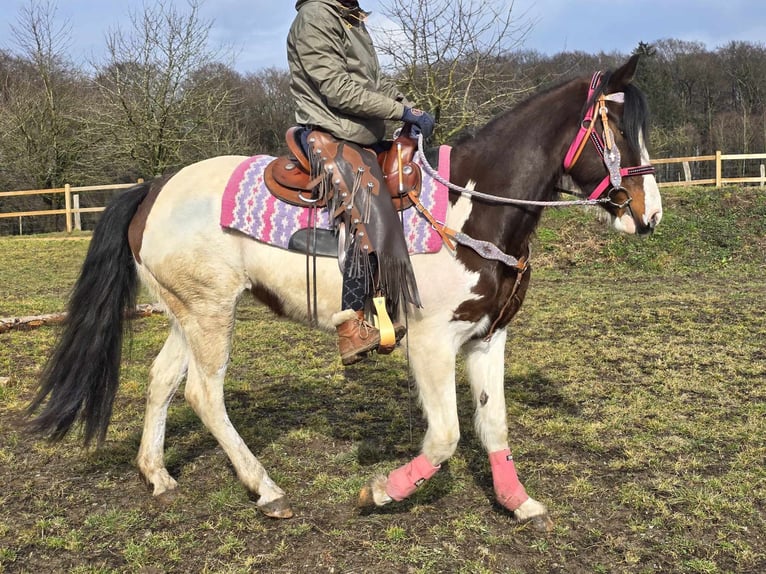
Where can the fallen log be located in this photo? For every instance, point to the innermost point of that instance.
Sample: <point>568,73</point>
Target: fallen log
<point>34,321</point>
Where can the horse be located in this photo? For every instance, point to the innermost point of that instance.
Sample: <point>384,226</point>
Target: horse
<point>166,234</point>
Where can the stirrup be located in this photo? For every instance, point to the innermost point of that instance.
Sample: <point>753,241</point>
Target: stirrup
<point>385,326</point>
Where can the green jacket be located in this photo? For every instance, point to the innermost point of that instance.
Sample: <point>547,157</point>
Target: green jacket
<point>335,75</point>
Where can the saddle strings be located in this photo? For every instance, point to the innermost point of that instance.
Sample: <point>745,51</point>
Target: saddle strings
<point>317,167</point>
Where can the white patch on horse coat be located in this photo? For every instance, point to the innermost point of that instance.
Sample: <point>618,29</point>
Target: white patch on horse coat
<point>624,223</point>
<point>458,214</point>
<point>449,282</point>
<point>435,338</point>
<point>652,200</point>
<point>184,221</point>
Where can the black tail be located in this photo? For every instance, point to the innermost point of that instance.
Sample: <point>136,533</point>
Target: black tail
<point>81,376</point>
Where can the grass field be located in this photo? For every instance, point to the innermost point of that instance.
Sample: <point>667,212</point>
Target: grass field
<point>636,386</point>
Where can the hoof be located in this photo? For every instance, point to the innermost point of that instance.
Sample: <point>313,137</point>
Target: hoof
<point>160,482</point>
<point>373,494</point>
<point>366,499</point>
<point>278,508</point>
<point>542,523</point>
<point>167,498</point>
<point>535,514</point>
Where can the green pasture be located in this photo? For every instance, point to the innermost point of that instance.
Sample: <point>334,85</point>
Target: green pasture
<point>636,387</point>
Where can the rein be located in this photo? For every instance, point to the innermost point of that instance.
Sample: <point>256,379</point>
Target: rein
<point>611,159</point>
<point>494,198</point>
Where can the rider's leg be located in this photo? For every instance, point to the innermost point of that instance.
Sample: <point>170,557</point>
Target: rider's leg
<point>356,337</point>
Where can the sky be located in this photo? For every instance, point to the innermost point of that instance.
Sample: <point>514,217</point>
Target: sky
<point>254,30</point>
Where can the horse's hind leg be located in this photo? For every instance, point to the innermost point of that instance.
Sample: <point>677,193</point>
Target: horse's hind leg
<point>167,372</point>
<point>485,364</point>
<point>209,336</point>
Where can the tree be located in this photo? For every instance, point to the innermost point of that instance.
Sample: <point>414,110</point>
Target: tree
<point>162,101</point>
<point>267,110</point>
<point>674,83</point>
<point>451,57</point>
<point>745,68</point>
<point>42,109</point>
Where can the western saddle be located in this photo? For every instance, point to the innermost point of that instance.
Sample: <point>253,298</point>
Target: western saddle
<point>291,178</point>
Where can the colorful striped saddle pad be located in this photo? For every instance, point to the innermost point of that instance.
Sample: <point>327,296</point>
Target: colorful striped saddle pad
<point>250,208</point>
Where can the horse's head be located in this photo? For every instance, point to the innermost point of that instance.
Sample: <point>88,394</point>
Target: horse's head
<point>608,159</point>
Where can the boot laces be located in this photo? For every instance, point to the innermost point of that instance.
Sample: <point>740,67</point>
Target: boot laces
<point>365,329</point>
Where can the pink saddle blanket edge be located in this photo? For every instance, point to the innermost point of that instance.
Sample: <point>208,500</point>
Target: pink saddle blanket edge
<point>248,207</point>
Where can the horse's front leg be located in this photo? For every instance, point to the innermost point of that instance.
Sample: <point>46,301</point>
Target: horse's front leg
<point>485,364</point>
<point>433,366</point>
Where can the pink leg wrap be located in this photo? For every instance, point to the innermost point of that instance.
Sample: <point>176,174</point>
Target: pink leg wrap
<point>508,489</point>
<point>405,480</point>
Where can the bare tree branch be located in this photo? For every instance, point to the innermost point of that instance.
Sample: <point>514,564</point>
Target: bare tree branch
<point>450,57</point>
<point>159,103</point>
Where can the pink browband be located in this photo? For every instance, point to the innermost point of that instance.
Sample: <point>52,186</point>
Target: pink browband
<point>586,132</point>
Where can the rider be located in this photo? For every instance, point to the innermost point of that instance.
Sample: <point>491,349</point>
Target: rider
<point>338,88</point>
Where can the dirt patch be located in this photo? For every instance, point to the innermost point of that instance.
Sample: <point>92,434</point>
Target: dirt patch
<point>635,392</point>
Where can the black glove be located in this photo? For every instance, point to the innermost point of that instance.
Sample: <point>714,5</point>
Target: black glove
<point>423,120</point>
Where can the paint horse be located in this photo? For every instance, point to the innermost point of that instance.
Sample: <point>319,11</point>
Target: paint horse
<point>167,234</point>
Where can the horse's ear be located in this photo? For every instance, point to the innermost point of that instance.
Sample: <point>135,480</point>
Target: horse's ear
<point>624,75</point>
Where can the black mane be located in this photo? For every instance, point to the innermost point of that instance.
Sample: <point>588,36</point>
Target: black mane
<point>470,133</point>
<point>635,114</point>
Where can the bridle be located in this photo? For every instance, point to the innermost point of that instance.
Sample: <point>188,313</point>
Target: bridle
<point>607,150</point>
<point>605,146</point>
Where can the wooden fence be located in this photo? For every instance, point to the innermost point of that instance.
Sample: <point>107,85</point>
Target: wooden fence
<point>689,167</point>
<point>718,174</point>
<point>71,210</point>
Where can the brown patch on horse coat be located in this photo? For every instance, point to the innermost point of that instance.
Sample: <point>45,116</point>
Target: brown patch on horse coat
<point>494,292</point>
<point>269,298</point>
<point>483,398</point>
<point>138,223</point>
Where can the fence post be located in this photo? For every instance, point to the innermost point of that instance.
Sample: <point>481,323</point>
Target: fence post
<point>763,175</point>
<point>718,174</point>
<point>68,207</point>
<point>76,209</point>
<point>687,171</point>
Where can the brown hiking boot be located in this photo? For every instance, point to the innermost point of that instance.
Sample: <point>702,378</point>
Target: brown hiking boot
<point>356,337</point>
